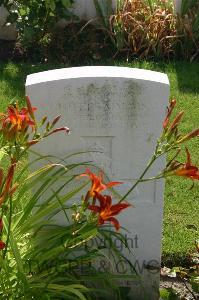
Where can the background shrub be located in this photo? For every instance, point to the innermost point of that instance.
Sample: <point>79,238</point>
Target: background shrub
<point>36,20</point>
<point>152,28</point>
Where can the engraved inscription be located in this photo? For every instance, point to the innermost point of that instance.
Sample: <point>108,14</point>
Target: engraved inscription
<point>102,103</point>
<point>100,148</point>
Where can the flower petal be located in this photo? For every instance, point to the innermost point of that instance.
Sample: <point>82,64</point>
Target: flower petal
<point>115,222</point>
<point>105,201</point>
<point>113,183</point>
<point>94,208</point>
<point>117,208</point>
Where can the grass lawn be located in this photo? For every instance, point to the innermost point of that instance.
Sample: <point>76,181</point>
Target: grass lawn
<point>181,221</point>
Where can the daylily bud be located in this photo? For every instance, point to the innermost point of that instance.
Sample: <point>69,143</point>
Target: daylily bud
<point>169,111</point>
<point>8,183</point>
<point>33,142</point>
<point>76,217</point>
<point>192,134</point>
<point>30,108</point>
<point>9,178</point>
<point>47,126</point>
<point>66,129</point>
<point>171,133</point>
<point>176,120</point>
<point>55,121</point>
<point>43,120</point>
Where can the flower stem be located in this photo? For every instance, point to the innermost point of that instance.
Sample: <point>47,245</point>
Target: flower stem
<point>154,157</point>
<point>9,229</point>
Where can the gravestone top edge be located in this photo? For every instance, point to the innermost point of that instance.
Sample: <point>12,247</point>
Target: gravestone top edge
<point>97,72</point>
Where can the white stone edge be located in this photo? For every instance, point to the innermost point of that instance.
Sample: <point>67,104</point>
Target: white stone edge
<point>96,71</point>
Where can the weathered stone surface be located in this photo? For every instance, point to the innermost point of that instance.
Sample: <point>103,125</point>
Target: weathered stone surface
<point>118,113</point>
<point>177,5</point>
<point>85,9</point>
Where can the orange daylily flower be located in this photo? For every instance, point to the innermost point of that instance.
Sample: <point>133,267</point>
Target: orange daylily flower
<point>187,169</point>
<point>97,185</point>
<point>16,121</point>
<point>107,211</point>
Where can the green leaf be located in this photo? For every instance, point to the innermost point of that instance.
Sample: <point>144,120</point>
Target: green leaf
<point>103,10</point>
<point>73,289</point>
<point>50,4</point>
<point>46,210</point>
<point>2,153</point>
<point>168,294</point>
<point>22,11</point>
<point>194,280</point>
<point>66,3</point>
<point>16,253</point>
<point>186,5</point>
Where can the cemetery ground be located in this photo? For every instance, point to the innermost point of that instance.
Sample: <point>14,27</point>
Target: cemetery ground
<point>181,222</point>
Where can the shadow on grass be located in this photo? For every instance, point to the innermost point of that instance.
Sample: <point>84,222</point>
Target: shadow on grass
<point>186,73</point>
<point>187,76</point>
<point>15,74</point>
<point>13,78</point>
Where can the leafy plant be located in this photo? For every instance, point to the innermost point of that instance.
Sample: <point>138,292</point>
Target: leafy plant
<point>36,20</point>
<point>148,28</point>
<point>186,5</point>
<point>191,273</point>
<point>168,294</point>
<point>104,11</point>
<point>188,29</point>
<point>39,258</point>
<point>46,259</point>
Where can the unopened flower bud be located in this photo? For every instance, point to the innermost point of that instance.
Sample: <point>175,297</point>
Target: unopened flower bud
<point>192,134</point>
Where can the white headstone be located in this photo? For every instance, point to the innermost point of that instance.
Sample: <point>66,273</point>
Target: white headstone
<point>177,5</point>
<point>118,112</point>
<point>85,9</point>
